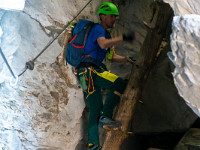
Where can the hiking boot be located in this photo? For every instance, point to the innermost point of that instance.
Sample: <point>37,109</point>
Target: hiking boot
<point>94,147</point>
<point>107,123</point>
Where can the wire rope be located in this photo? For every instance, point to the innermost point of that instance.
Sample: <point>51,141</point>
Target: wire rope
<point>30,64</point>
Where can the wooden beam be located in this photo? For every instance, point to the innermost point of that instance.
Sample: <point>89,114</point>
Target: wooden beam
<point>140,71</point>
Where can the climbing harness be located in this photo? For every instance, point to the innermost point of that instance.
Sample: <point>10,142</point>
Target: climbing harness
<point>90,86</point>
<point>30,64</point>
<point>83,79</point>
<point>106,75</point>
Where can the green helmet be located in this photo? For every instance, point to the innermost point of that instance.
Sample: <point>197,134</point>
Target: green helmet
<point>108,8</point>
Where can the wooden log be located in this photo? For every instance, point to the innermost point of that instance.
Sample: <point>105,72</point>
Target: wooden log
<point>140,71</point>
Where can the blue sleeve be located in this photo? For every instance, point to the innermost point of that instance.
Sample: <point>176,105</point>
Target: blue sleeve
<point>98,31</point>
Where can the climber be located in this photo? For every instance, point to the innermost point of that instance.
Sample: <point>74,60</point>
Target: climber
<point>97,76</point>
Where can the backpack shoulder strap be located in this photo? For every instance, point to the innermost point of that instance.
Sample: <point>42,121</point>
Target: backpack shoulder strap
<point>86,35</point>
<point>87,32</point>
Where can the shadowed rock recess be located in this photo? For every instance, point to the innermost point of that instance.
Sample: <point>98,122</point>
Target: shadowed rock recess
<point>45,110</point>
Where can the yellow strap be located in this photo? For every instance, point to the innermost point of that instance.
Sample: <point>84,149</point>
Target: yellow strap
<point>71,24</point>
<point>108,63</point>
<point>109,57</point>
<point>83,72</point>
<point>106,75</point>
<point>80,73</point>
<point>90,144</point>
<point>109,54</point>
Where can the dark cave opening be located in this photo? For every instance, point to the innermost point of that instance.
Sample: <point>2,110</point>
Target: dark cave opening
<point>162,141</point>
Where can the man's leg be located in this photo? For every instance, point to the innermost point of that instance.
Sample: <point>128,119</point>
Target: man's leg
<point>113,97</point>
<point>116,87</point>
<point>95,105</point>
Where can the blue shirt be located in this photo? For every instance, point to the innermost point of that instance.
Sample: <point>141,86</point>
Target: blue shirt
<point>92,44</point>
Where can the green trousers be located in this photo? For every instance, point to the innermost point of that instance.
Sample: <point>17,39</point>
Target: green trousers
<point>108,81</point>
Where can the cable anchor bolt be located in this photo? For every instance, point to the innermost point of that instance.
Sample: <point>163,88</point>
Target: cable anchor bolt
<point>30,65</point>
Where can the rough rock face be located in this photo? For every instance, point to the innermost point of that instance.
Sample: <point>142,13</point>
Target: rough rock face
<point>43,111</point>
<point>10,4</point>
<point>184,7</point>
<point>185,48</point>
<point>190,140</point>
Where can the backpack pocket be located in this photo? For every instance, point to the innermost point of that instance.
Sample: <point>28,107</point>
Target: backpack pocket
<point>74,53</point>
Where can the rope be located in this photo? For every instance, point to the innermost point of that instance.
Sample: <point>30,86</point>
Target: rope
<point>5,60</point>
<point>30,64</point>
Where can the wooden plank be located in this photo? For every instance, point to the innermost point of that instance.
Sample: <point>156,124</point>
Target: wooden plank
<point>140,71</point>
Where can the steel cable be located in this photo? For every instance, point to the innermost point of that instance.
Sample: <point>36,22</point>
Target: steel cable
<point>30,64</point>
<point>7,64</point>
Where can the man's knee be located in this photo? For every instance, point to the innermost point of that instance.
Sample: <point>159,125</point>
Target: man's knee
<point>119,86</point>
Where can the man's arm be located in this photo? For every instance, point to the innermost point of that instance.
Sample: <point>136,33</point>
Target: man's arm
<point>118,58</point>
<point>106,43</point>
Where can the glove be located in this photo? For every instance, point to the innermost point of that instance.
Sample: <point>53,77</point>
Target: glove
<point>131,59</point>
<point>128,37</point>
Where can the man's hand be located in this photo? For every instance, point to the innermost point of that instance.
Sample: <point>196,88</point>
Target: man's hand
<point>129,37</point>
<point>131,59</point>
<point>134,36</point>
